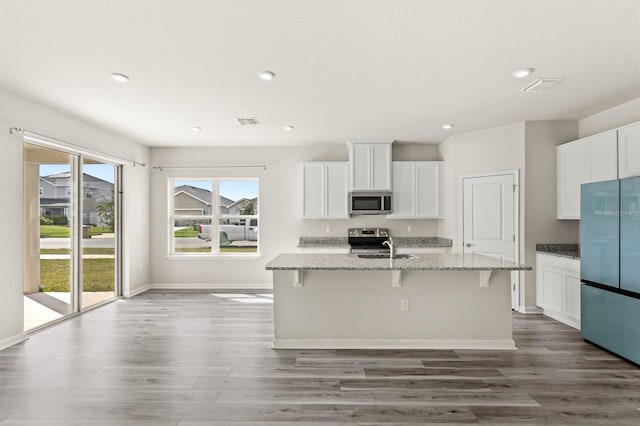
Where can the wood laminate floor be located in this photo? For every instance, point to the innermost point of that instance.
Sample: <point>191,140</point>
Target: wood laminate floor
<point>195,359</point>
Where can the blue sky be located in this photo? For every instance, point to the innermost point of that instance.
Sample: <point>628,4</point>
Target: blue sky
<point>231,189</point>
<point>102,171</point>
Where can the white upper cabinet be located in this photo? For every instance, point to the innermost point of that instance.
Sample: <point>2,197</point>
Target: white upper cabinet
<point>417,190</point>
<point>429,181</point>
<point>603,156</point>
<point>629,151</point>
<point>370,166</point>
<point>586,160</point>
<point>404,189</point>
<point>336,189</point>
<point>572,161</point>
<point>325,189</point>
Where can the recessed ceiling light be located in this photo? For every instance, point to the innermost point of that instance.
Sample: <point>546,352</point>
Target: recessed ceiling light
<point>266,75</point>
<point>120,78</point>
<point>196,128</point>
<point>288,128</point>
<point>522,73</point>
<point>447,126</point>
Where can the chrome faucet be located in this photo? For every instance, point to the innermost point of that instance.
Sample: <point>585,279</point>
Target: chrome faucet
<point>392,247</point>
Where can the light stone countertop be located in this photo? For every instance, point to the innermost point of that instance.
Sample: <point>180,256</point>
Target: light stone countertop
<point>400,242</point>
<point>421,262</point>
<point>323,242</point>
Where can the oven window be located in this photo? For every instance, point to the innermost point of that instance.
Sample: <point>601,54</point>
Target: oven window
<point>366,203</point>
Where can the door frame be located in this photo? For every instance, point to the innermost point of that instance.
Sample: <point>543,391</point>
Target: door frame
<point>459,246</point>
<point>75,286</point>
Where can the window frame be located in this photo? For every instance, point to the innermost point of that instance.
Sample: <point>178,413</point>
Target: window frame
<point>215,217</point>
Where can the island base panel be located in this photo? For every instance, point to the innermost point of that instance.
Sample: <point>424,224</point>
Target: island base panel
<point>361,310</point>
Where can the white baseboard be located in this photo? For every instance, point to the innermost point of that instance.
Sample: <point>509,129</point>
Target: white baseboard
<point>392,344</point>
<point>10,341</point>
<point>529,309</point>
<point>137,291</point>
<point>563,319</point>
<point>211,286</point>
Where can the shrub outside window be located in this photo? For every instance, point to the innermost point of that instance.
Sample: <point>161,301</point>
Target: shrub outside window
<point>213,216</point>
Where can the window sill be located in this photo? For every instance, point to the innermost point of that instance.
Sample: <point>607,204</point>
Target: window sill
<point>214,256</point>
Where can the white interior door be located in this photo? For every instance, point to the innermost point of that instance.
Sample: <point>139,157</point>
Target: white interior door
<point>490,219</point>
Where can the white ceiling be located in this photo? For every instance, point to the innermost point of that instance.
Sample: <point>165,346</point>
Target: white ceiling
<point>394,69</point>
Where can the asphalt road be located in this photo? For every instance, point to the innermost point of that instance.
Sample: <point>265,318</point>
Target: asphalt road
<point>105,242</point>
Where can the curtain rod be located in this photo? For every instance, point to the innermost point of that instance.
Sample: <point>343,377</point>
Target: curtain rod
<point>237,166</point>
<point>81,149</point>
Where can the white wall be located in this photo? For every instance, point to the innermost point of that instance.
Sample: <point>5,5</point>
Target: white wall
<point>530,148</point>
<point>281,223</point>
<point>490,150</point>
<point>617,116</point>
<point>29,115</point>
<point>11,233</point>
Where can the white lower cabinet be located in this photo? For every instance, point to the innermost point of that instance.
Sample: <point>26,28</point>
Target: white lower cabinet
<point>558,288</point>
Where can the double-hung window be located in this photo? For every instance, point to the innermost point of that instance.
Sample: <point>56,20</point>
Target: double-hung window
<point>213,216</point>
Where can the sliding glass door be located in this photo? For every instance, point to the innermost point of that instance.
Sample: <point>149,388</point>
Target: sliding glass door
<point>49,212</point>
<point>99,222</point>
<point>71,217</point>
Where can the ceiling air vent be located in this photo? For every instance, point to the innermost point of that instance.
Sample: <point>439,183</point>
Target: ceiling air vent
<point>248,121</point>
<point>541,84</point>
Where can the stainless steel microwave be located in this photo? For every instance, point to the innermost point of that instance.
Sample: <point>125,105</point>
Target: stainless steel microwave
<point>370,203</point>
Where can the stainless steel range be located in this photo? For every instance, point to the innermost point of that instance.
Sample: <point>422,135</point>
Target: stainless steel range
<point>368,240</point>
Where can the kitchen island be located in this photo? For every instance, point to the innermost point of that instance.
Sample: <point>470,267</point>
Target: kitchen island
<point>429,301</point>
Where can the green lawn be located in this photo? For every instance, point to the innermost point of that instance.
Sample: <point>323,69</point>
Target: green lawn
<point>97,274</point>
<point>222,250</point>
<point>238,249</point>
<point>185,233</point>
<point>99,230</point>
<point>85,250</point>
<point>55,231</point>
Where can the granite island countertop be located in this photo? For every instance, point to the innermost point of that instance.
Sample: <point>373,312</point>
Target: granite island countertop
<point>400,242</point>
<point>421,262</point>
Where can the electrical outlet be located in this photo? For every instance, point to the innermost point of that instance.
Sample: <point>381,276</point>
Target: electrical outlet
<point>404,304</point>
<point>410,229</point>
<point>328,229</point>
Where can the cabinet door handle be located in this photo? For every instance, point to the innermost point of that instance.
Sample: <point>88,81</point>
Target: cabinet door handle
<point>469,245</point>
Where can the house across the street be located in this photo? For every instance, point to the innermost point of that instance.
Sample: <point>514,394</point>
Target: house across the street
<point>55,196</point>
<point>194,201</point>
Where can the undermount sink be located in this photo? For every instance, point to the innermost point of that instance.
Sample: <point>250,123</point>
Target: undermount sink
<point>386,256</point>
